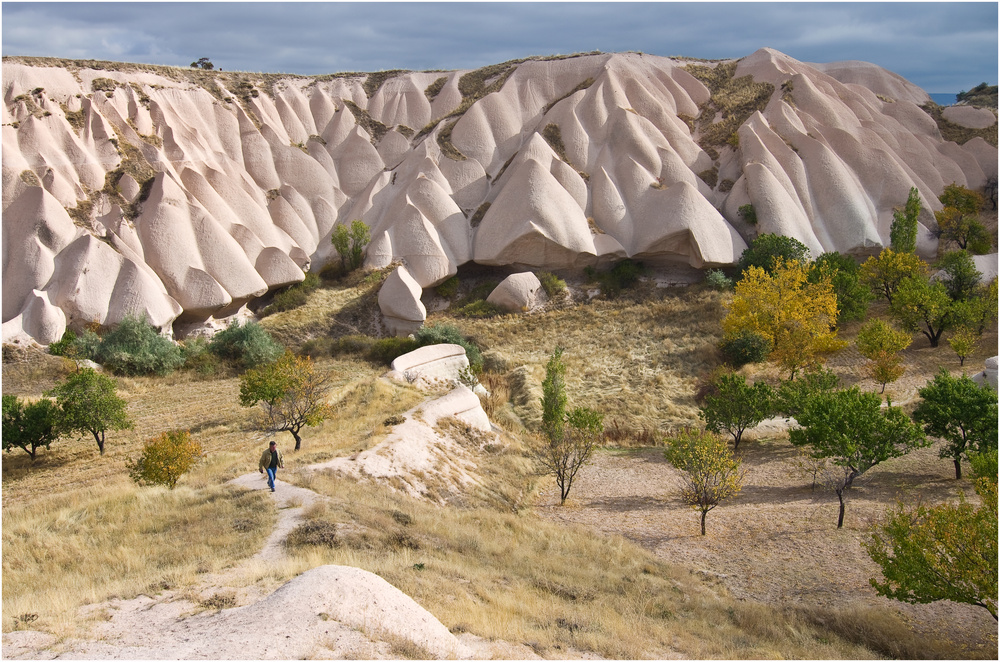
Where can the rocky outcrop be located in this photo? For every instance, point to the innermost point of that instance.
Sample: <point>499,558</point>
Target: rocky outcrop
<point>180,195</point>
<point>516,293</point>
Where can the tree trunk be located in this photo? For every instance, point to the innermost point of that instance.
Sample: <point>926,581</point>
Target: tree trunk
<point>99,436</point>
<point>958,468</point>
<point>703,514</point>
<point>298,439</point>
<point>840,520</point>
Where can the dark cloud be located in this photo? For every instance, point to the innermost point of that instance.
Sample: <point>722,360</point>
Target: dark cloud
<point>943,47</point>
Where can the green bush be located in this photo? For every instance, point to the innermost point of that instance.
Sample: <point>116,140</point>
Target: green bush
<point>73,346</point>
<point>551,283</point>
<point>748,213</point>
<point>765,248</point>
<point>480,310</point>
<point>745,347</point>
<point>135,347</point>
<point>198,358</point>
<point>717,280</point>
<point>448,289</point>
<point>294,296</point>
<point>350,243</point>
<point>621,276</point>
<point>447,334</point>
<point>385,350</point>
<point>247,345</point>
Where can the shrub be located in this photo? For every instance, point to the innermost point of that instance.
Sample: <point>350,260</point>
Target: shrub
<point>73,346</point>
<point>480,310</point>
<point>445,333</point>
<point>766,248</point>
<point>385,350</point>
<point>293,296</point>
<point>350,243</point>
<point>165,459</point>
<point>247,345</point>
<point>745,347</point>
<point>621,276</point>
<point>135,347</point>
<point>198,358</point>
<point>551,283</point>
<point>748,214</point>
<point>448,289</point>
<point>717,280</point>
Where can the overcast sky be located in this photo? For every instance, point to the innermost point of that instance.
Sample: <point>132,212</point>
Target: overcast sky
<point>942,47</point>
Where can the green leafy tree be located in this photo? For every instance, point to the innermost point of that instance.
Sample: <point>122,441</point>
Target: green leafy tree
<point>29,425</point>
<point>350,243</point>
<point>903,231</point>
<point>853,298</point>
<point>570,438</point>
<point>946,552</point>
<point>959,221</point>
<point>920,305</point>
<point>884,273</point>
<point>766,249</point>
<point>736,406</point>
<point>247,345</point>
<point>961,278</point>
<point>961,412</point>
<point>165,459</point>
<point>745,346</point>
<point>291,394</point>
<point>712,472</point>
<point>881,344</point>
<point>135,347</point>
<point>978,311</point>
<point>963,342</point>
<point>855,432</point>
<point>794,393</point>
<point>89,402</point>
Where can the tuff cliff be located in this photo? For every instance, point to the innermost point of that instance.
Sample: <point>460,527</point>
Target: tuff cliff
<point>180,194</point>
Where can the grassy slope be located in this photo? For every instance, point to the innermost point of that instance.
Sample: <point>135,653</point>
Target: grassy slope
<point>485,570</point>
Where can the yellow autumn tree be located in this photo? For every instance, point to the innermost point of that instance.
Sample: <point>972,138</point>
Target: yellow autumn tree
<point>796,316</point>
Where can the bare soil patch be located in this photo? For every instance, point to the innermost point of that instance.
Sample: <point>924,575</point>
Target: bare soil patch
<point>777,542</point>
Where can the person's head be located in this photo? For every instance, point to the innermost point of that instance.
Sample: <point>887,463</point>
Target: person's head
<point>273,445</point>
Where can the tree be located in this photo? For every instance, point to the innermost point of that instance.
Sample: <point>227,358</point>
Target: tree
<point>203,63</point>
<point>959,220</point>
<point>794,315</point>
<point>745,346</point>
<point>165,459</point>
<point>903,232</point>
<point>946,552</point>
<point>979,310</point>
<point>766,249</point>
<point>920,305</point>
<point>569,438</point>
<point>794,393</point>
<point>135,347</point>
<point>350,243</point>
<point>844,273</point>
<point>851,428</point>
<point>961,278</point>
<point>736,406</point>
<point>963,342</point>
<point>247,345</point>
<point>29,425</point>
<point>89,402</point>
<point>712,472</point>
<point>961,412</point>
<point>884,273</point>
<point>291,394</point>
<point>881,344</point>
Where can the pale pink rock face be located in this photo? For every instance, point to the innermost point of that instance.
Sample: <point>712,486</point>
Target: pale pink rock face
<point>573,162</point>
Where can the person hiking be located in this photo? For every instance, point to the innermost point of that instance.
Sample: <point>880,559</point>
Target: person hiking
<point>270,461</point>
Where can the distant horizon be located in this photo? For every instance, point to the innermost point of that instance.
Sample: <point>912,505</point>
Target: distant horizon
<point>934,45</point>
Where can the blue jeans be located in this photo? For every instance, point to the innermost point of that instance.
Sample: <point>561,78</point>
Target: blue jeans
<point>270,477</point>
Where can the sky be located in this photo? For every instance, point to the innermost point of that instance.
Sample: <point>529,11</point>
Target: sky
<point>944,47</point>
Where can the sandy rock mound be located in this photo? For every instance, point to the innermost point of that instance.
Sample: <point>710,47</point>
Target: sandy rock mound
<point>431,366</point>
<point>426,455</point>
<point>399,301</point>
<point>516,293</point>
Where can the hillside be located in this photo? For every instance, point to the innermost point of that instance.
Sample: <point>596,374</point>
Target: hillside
<point>181,195</point>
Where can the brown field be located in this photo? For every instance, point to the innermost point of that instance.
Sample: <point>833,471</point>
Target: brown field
<point>773,578</point>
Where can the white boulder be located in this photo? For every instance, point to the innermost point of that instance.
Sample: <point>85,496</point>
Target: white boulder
<point>399,301</point>
<point>517,293</point>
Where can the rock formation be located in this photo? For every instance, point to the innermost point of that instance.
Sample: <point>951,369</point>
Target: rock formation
<point>179,194</point>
